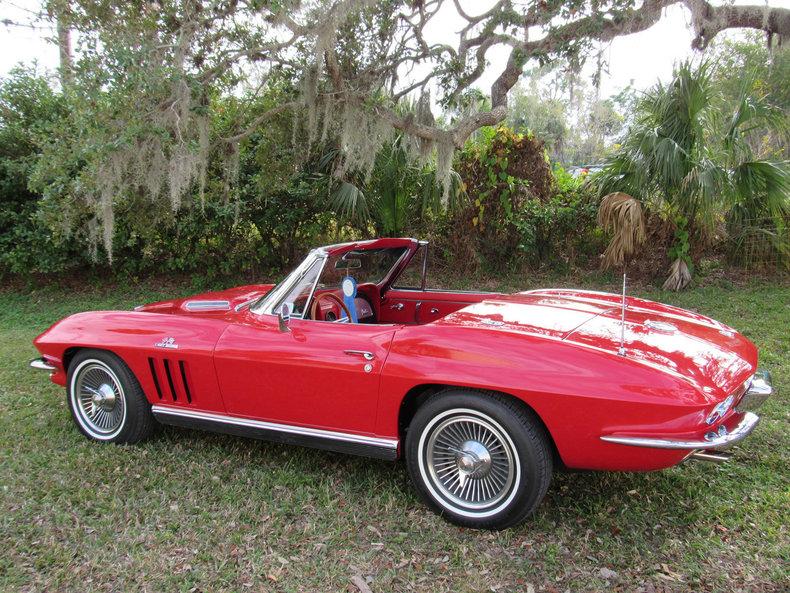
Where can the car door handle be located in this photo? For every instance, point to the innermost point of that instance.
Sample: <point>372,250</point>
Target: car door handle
<point>434,310</point>
<point>397,307</point>
<point>363,353</point>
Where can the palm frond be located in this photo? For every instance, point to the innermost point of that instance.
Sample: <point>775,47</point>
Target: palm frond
<point>753,113</point>
<point>350,202</point>
<point>621,215</point>
<point>762,188</point>
<point>679,276</point>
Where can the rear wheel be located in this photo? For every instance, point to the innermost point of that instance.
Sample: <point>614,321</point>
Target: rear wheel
<point>105,399</point>
<point>478,459</point>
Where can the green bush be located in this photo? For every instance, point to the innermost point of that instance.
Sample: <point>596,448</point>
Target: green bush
<point>263,221</point>
<point>561,230</point>
<point>522,212</point>
<point>28,108</point>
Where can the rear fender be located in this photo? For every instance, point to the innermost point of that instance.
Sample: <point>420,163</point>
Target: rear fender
<point>580,394</point>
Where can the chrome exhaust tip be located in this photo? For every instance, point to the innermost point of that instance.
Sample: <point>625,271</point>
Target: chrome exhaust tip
<point>712,456</point>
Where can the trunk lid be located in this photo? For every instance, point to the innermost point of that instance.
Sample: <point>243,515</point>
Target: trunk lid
<point>709,354</point>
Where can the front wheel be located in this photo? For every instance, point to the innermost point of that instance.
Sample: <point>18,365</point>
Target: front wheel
<point>106,400</point>
<point>478,459</point>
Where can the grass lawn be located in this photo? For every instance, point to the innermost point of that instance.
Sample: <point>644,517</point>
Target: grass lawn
<point>192,511</point>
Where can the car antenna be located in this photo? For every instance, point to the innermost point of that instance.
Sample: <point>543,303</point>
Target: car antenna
<point>621,351</point>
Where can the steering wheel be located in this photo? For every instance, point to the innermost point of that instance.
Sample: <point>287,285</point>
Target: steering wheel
<point>332,296</point>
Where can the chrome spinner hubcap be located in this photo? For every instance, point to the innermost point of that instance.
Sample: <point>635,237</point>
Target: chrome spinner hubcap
<point>473,459</point>
<point>470,462</point>
<point>103,397</point>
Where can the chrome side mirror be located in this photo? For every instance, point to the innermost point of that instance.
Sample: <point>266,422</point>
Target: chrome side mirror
<point>284,316</point>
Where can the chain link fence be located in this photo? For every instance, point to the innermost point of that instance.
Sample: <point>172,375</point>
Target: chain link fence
<point>760,245</point>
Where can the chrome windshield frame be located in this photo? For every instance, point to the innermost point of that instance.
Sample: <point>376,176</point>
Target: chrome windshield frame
<point>270,302</point>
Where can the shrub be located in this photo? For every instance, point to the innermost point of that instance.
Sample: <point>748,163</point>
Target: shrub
<point>501,172</point>
<point>522,211</point>
<point>28,108</point>
<point>561,230</point>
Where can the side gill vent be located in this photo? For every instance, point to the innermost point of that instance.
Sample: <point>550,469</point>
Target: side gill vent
<point>173,386</point>
<point>184,380</point>
<point>152,366</point>
<point>170,380</point>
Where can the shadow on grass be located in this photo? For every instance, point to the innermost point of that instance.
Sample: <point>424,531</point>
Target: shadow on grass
<point>644,499</point>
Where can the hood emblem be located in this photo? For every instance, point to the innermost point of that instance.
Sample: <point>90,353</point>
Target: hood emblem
<point>167,343</point>
<point>661,326</point>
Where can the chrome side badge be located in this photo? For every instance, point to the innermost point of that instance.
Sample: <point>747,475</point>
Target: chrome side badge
<point>167,343</point>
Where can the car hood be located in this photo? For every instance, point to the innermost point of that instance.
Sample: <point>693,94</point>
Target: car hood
<point>215,303</point>
<point>712,356</point>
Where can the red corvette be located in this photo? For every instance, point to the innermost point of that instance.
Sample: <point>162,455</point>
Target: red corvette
<point>483,394</point>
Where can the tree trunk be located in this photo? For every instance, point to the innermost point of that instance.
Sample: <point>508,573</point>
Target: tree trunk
<point>64,45</point>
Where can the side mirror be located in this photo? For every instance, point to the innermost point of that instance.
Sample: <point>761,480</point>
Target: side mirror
<point>284,316</point>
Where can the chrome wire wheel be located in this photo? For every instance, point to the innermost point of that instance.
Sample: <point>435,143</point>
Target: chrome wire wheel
<point>98,399</point>
<point>469,462</point>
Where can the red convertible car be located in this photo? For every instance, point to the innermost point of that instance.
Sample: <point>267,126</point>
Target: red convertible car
<point>483,394</point>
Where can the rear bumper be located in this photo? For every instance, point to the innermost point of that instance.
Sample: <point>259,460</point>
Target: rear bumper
<point>713,440</point>
<point>759,390</point>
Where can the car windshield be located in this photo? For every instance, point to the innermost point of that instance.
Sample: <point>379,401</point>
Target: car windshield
<point>367,266</point>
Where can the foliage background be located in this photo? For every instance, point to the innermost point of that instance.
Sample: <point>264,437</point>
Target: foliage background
<point>513,203</point>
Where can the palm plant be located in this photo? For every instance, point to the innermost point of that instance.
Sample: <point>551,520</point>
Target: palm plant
<point>759,190</point>
<point>681,157</point>
<point>397,190</point>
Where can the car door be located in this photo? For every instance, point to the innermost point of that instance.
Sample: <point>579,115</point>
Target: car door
<point>316,374</point>
<point>423,306</point>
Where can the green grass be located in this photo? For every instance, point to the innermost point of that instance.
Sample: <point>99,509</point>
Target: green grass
<point>191,511</point>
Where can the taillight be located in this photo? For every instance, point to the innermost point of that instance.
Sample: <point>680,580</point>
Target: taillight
<point>720,409</point>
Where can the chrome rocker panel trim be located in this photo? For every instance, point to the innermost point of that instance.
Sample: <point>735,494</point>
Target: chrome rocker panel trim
<point>342,442</point>
<point>720,441</point>
<point>42,365</point>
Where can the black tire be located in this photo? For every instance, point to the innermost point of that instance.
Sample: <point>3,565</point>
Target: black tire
<point>117,411</point>
<point>451,434</point>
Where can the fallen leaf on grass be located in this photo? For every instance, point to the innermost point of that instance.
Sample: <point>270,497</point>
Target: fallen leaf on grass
<point>607,573</point>
<point>360,584</point>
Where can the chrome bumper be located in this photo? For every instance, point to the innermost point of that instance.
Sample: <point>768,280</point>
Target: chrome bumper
<point>42,365</point>
<point>760,389</point>
<point>713,440</point>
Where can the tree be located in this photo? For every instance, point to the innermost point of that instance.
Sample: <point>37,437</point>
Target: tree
<point>545,118</point>
<point>147,72</point>
<point>686,156</point>
<point>28,107</point>
<point>763,69</point>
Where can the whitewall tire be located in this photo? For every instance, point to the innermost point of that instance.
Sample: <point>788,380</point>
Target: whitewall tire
<point>106,400</point>
<point>477,458</point>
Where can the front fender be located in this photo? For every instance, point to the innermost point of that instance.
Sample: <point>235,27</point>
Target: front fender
<point>142,341</point>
